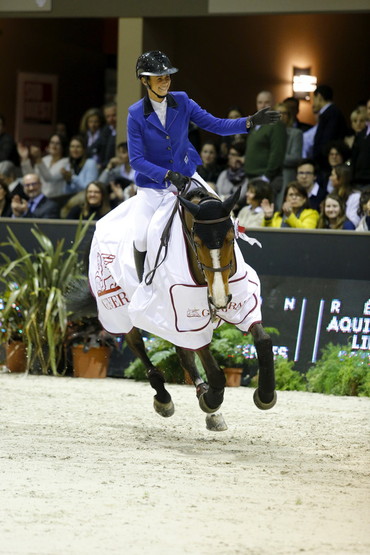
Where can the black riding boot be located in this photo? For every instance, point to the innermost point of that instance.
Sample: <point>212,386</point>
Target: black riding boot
<point>139,258</point>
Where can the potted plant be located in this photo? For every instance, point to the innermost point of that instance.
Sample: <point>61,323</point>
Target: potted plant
<point>12,321</point>
<point>229,349</point>
<point>42,279</point>
<point>91,348</point>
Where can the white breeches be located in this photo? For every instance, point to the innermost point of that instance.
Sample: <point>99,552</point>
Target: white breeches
<point>150,199</point>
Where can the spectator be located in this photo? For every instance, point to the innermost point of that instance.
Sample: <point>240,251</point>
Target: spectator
<point>209,170</point>
<point>341,181</point>
<point>306,176</point>
<point>295,212</point>
<point>121,189</point>
<point>234,112</point>
<point>33,204</point>
<point>360,160</point>
<point>90,129</point>
<point>8,148</point>
<point>119,166</point>
<point>358,123</point>
<point>266,145</point>
<point>108,134</point>
<point>5,200</point>
<point>79,170</point>
<point>333,214</point>
<point>293,105</point>
<point>234,176</point>
<point>364,211</point>
<point>331,125</point>
<point>96,203</point>
<point>252,215</point>
<point>8,173</point>
<point>293,151</point>
<point>49,167</point>
<point>337,152</point>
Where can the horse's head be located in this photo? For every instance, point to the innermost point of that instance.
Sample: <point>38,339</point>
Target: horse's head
<point>212,236</point>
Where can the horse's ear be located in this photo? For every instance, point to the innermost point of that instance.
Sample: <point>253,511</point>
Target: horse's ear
<point>189,206</point>
<point>230,202</point>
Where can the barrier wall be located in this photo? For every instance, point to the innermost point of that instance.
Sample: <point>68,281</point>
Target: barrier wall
<point>315,284</point>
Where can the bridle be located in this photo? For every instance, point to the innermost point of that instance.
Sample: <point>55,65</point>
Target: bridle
<point>190,237</point>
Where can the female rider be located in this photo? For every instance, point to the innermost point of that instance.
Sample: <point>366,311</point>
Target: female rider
<point>157,135</point>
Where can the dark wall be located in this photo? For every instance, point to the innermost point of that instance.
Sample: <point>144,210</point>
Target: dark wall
<point>77,50</point>
<point>222,60</point>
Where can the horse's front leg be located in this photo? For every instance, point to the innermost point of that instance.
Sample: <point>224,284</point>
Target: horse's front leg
<point>162,399</point>
<point>212,399</point>
<point>187,361</point>
<point>265,395</point>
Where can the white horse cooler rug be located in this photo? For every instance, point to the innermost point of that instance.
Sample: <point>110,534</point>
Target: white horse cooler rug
<point>173,306</point>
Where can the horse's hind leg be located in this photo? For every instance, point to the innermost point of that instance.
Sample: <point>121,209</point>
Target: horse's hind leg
<point>265,395</point>
<point>162,399</point>
<point>187,361</point>
<point>212,399</point>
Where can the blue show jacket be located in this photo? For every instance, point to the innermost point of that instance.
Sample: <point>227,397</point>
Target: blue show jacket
<point>153,149</point>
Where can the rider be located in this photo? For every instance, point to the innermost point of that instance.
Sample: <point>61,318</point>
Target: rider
<point>157,135</point>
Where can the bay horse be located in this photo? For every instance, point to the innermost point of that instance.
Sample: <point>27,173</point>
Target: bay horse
<point>210,244</point>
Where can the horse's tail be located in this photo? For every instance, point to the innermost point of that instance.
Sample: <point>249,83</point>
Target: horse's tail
<point>80,301</point>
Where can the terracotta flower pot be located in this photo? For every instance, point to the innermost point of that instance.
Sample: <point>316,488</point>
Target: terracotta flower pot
<point>233,376</point>
<point>92,363</point>
<point>16,356</point>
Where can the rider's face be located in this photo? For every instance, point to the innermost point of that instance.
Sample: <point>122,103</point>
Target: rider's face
<point>160,85</point>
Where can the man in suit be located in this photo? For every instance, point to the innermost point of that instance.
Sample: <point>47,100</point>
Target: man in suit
<point>293,105</point>
<point>266,147</point>
<point>360,160</point>
<point>33,204</point>
<point>108,135</point>
<point>331,125</point>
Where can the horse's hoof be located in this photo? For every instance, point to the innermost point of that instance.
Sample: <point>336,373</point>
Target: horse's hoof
<point>263,406</point>
<point>164,409</point>
<point>202,388</point>
<point>205,408</point>
<point>216,422</point>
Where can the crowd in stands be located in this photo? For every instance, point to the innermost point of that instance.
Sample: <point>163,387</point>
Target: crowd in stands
<point>291,174</point>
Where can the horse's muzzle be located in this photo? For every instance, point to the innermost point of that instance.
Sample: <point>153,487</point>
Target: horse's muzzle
<point>212,303</point>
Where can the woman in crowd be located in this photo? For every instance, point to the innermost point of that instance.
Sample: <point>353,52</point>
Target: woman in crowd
<point>252,215</point>
<point>49,168</point>
<point>295,211</point>
<point>79,170</point>
<point>5,200</point>
<point>358,123</point>
<point>340,178</point>
<point>234,112</point>
<point>209,170</point>
<point>364,211</point>
<point>96,203</point>
<point>338,153</point>
<point>333,214</point>
<point>90,129</point>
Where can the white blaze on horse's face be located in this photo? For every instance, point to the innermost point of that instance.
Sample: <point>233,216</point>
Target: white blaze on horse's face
<point>218,293</point>
<point>211,259</point>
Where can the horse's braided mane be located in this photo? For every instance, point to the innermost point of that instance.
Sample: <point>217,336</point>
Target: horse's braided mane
<point>199,194</point>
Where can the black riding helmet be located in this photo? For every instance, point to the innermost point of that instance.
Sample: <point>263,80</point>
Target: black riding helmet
<point>154,63</point>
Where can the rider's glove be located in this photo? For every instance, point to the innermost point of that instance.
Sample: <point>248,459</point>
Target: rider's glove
<point>177,179</point>
<point>262,117</point>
